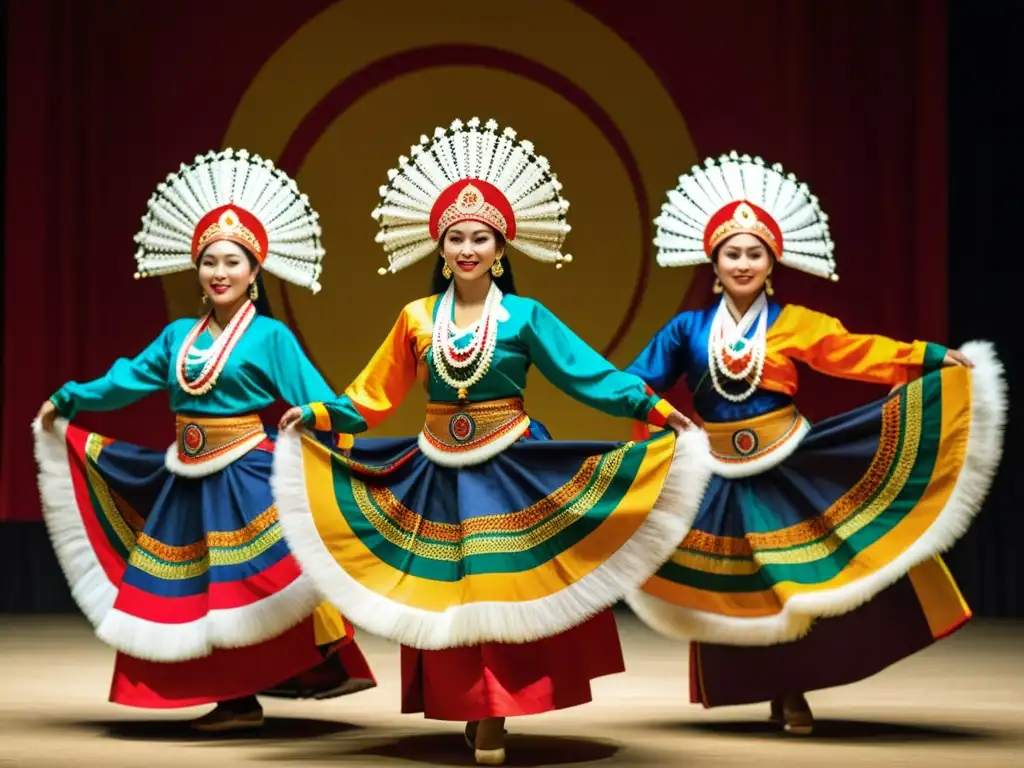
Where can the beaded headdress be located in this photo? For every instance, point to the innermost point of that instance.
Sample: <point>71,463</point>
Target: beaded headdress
<point>237,196</point>
<point>471,172</point>
<point>738,194</point>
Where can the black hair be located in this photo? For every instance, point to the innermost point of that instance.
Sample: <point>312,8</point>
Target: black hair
<point>507,282</point>
<point>262,302</point>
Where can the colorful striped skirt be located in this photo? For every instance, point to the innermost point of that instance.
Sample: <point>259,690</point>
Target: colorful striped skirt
<point>846,522</point>
<point>189,577</point>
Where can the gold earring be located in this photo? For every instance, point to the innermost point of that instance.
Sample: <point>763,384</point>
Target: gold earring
<point>717,287</point>
<point>496,269</point>
<point>205,299</point>
<point>254,291</point>
<point>768,286</point>
<point>446,271</point>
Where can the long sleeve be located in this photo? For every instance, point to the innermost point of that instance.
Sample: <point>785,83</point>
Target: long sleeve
<point>573,366</point>
<point>127,381</point>
<point>823,343</point>
<point>663,361</point>
<point>292,373</point>
<point>376,392</point>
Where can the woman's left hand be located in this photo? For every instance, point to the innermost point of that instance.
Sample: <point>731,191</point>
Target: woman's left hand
<point>956,357</point>
<point>291,417</point>
<point>678,422</point>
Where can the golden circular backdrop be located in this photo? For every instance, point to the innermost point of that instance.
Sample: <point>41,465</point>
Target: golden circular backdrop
<point>584,97</point>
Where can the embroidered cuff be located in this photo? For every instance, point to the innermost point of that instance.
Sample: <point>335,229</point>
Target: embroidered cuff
<point>934,354</point>
<point>659,413</point>
<point>64,403</point>
<point>315,415</point>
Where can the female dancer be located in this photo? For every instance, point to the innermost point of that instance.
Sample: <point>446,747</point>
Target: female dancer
<point>802,522</point>
<point>178,560</point>
<point>489,555</point>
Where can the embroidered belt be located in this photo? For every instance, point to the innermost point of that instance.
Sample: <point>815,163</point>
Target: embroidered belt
<point>751,446</point>
<point>461,434</point>
<point>208,444</point>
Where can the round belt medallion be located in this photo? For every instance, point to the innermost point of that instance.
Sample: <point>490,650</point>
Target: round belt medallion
<point>461,427</point>
<point>193,440</point>
<point>745,441</point>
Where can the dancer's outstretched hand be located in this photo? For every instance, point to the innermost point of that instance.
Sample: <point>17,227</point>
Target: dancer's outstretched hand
<point>678,422</point>
<point>47,413</point>
<point>956,357</point>
<point>291,417</point>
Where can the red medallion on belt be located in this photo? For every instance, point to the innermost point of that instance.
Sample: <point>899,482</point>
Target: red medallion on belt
<point>745,442</point>
<point>462,427</point>
<point>193,440</point>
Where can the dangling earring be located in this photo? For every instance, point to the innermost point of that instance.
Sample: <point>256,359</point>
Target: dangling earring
<point>205,299</point>
<point>717,287</point>
<point>768,286</point>
<point>496,269</point>
<point>254,291</point>
<point>446,271</point>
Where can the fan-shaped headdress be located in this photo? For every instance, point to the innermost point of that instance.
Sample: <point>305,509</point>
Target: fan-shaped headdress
<point>739,194</point>
<point>231,195</point>
<point>471,173</point>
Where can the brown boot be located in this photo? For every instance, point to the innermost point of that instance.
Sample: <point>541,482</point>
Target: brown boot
<point>235,715</point>
<point>794,714</point>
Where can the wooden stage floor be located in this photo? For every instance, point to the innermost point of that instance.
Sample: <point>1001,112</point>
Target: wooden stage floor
<point>961,703</point>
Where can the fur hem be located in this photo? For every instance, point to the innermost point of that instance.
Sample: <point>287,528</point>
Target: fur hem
<point>756,466</point>
<point>224,628</point>
<point>471,624</point>
<point>473,456</point>
<point>981,460</point>
<point>91,589</point>
<point>174,464</point>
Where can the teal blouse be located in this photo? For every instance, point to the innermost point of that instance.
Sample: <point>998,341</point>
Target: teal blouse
<point>266,365</point>
<point>528,334</point>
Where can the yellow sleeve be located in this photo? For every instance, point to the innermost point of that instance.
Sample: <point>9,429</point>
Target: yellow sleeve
<point>382,385</point>
<point>824,344</point>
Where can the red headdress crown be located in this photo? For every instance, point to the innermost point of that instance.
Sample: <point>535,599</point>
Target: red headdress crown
<point>472,200</point>
<point>232,223</point>
<point>742,216</point>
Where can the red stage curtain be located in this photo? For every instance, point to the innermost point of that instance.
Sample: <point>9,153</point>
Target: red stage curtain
<point>104,98</point>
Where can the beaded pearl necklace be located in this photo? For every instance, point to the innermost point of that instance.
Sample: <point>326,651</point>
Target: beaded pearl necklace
<point>733,356</point>
<point>216,357</point>
<point>462,367</point>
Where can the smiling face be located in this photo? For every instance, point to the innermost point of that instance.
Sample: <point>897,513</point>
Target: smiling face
<point>470,248</point>
<point>743,263</point>
<point>225,273</point>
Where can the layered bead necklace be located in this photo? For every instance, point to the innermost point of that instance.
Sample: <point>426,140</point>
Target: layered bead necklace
<point>733,356</point>
<point>462,367</point>
<point>216,356</point>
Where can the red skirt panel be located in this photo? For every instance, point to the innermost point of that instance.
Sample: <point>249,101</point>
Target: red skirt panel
<point>227,674</point>
<point>505,680</point>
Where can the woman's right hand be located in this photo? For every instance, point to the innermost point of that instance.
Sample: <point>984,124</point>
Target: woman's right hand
<point>291,417</point>
<point>47,413</point>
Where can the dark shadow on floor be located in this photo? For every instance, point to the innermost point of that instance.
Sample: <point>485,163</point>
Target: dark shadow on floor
<point>274,729</point>
<point>851,731</point>
<point>450,749</point>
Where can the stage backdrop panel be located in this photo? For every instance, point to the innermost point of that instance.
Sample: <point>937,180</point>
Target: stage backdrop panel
<point>105,98</point>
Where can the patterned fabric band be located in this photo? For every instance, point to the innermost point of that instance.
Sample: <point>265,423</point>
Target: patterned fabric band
<point>751,446</point>
<point>208,444</point>
<point>461,434</point>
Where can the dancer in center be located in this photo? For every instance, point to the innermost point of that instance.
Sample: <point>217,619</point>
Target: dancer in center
<point>490,556</point>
